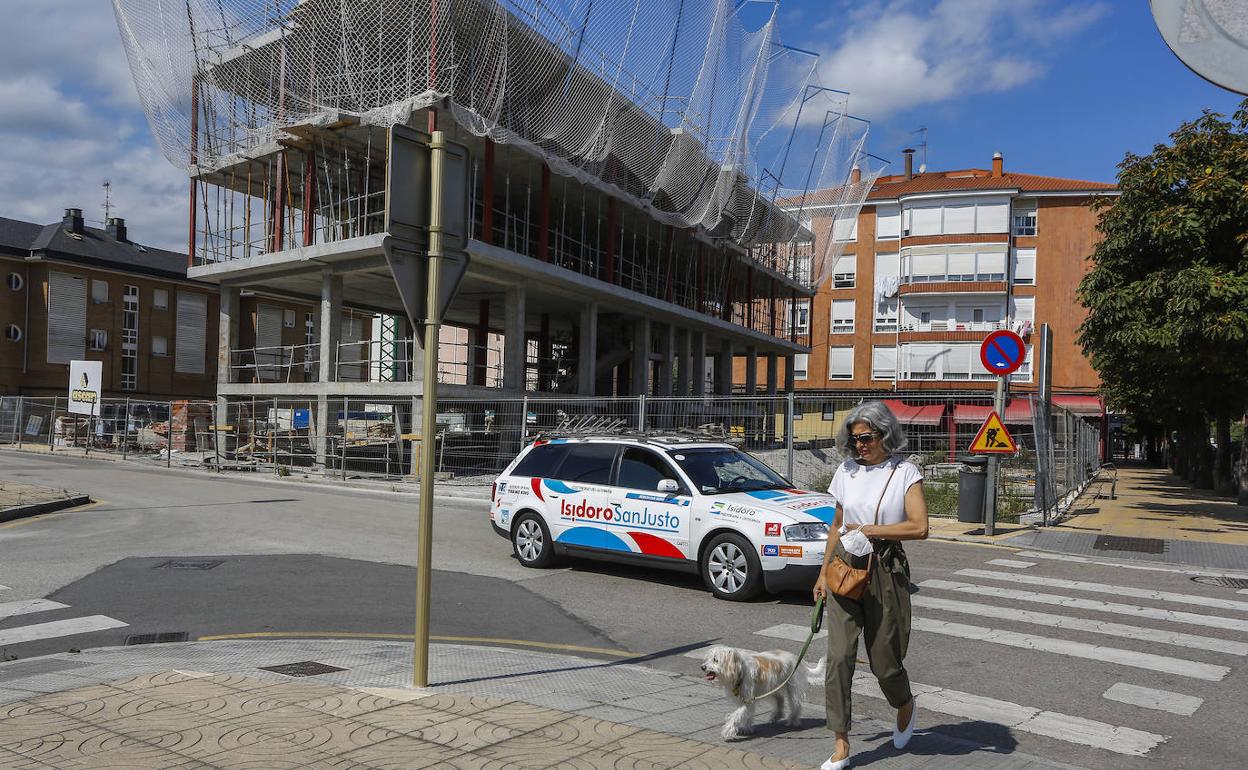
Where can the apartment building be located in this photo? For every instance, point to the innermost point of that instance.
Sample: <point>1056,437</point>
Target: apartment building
<point>937,260</point>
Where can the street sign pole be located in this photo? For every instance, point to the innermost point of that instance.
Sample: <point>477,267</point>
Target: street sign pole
<point>990,493</point>
<point>428,417</point>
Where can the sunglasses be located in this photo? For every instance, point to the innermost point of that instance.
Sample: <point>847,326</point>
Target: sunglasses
<point>862,438</point>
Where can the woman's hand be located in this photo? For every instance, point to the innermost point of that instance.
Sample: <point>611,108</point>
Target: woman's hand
<point>821,587</point>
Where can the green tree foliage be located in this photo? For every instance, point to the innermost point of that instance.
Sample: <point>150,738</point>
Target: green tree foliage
<point>1167,296</point>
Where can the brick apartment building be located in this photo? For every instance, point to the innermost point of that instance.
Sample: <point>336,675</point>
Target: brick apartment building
<point>937,260</point>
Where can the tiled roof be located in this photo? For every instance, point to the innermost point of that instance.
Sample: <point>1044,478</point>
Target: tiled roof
<point>980,179</point>
<point>17,236</point>
<point>97,247</point>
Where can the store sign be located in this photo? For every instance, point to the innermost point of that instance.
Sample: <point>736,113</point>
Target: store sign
<point>85,387</point>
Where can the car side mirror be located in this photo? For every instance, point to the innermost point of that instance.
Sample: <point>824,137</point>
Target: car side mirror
<point>669,486</point>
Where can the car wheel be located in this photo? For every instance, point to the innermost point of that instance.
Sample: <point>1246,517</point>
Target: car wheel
<point>530,541</point>
<point>731,569</point>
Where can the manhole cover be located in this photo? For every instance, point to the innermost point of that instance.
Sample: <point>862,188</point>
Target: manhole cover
<point>1133,544</point>
<point>189,564</point>
<point>306,668</point>
<point>1222,582</point>
<point>164,637</point>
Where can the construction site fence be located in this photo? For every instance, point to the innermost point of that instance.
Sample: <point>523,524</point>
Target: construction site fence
<point>1057,455</point>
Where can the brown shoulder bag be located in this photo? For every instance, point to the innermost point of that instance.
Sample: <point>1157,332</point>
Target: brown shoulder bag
<point>847,581</point>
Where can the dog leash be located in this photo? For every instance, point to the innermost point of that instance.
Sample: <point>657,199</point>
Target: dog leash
<point>816,622</point>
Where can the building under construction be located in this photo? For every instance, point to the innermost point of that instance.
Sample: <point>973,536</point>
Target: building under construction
<point>635,187</point>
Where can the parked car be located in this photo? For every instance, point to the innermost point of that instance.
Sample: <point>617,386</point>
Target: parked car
<point>702,507</point>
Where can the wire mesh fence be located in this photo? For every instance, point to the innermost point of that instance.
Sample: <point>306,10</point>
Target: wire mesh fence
<point>375,438</point>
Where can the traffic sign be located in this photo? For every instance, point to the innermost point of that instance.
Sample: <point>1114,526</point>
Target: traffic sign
<point>993,438</point>
<point>1002,352</point>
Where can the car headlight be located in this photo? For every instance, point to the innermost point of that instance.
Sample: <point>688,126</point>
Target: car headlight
<point>815,530</point>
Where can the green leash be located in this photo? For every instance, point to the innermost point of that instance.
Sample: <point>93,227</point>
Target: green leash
<point>816,621</point>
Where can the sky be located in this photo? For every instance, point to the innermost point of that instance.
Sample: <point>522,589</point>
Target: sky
<point>1059,87</point>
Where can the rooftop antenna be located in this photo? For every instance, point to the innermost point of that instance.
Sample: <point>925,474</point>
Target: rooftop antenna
<point>922,132</point>
<point>108,200</point>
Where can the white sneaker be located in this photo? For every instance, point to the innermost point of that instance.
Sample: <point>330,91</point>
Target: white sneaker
<point>839,764</point>
<point>902,737</point>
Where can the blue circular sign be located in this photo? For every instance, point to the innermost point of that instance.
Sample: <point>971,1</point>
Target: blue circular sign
<point>1002,352</point>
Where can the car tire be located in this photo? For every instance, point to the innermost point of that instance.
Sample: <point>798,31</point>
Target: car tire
<point>531,542</point>
<point>731,569</point>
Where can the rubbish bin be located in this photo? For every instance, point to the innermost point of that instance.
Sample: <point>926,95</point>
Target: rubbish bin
<point>971,484</point>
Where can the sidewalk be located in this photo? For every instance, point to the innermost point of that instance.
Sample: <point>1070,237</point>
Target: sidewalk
<point>18,499</point>
<point>209,704</point>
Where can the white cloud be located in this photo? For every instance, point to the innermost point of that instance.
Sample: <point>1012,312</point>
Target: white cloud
<point>895,55</point>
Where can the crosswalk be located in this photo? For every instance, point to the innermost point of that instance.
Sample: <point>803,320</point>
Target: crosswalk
<point>46,629</point>
<point>1130,638</point>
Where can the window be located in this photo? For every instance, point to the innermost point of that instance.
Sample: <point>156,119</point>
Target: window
<point>990,266</point>
<point>960,218</point>
<point>641,469</point>
<point>130,338</point>
<point>845,271</point>
<point>1023,309</point>
<point>842,316</point>
<point>886,315</point>
<point>717,471</point>
<point>542,461</point>
<point>1024,267</point>
<point>925,316</point>
<point>1025,218</point>
<point>887,222</point>
<point>1023,373</point>
<point>288,319</point>
<point>992,217</point>
<point>924,220</point>
<point>801,268</point>
<point>884,362</point>
<point>67,317</point>
<point>887,263</point>
<point>800,362</point>
<point>801,316</point>
<point>160,299</point>
<point>190,340</point>
<point>961,266</point>
<point>160,346</point>
<point>588,464</point>
<point>98,339</point>
<point>927,267</point>
<point>15,281</point>
<point>99,292</point>
<point>845,226</point>
<point>922,362</point>
<point>13,333</point>
<point>841,363</point>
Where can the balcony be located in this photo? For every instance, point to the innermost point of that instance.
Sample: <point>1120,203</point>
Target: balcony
<point>955,326</point>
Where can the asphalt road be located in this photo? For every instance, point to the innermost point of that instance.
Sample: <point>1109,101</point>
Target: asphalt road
<point>297,558</point>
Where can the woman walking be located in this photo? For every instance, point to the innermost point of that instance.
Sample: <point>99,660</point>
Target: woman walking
<point>880,496</point>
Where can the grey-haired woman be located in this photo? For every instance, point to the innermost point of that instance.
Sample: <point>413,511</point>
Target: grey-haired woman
<point>881,495</point>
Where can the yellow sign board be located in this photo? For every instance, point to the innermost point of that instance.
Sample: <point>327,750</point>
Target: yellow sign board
<point>993,438</point>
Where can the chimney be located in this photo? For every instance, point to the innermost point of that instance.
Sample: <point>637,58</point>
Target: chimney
<point>72,221</point>
<point>909,153</point>
<point>855,176</point>
<point>116,229</point>
<point>998,165</point>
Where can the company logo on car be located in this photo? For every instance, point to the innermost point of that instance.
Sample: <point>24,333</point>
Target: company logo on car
<point>791,551</point>
<point>616,514</point>
<point>772,529</point>
<point>771,550</point>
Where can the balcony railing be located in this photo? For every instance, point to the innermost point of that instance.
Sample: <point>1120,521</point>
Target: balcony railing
<point>955,326</point>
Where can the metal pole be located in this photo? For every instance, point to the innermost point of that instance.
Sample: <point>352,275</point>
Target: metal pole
<point>641,413</point>
<point>125,431</point>
<point>169,436</point>
<point>216,435</point>
<point>1043,423</point>
<point>990,493</point>
<point>788,436</point>
<point>52,426</point>
<point>20,429</point>
<point>429,417</point>
<point>273,437</point>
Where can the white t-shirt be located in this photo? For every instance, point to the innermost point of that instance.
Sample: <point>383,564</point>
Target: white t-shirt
<point>857,489</point>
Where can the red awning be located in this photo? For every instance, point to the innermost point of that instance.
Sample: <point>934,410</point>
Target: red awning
<point>1017,411</point>
<point>928,414</point>
<point>1084,406</point>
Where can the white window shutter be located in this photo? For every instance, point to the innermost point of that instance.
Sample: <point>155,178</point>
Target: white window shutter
<point>192,330</point>
<point>1024,266</point>
<point>67,317</point>
<point>887,221</point>
<point>883,362</point>
<point>993,217</point>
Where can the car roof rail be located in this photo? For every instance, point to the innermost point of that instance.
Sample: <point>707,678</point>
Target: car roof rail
<point>597,426</point>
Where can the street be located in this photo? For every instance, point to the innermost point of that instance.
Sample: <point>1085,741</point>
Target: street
<point>1095,665</point>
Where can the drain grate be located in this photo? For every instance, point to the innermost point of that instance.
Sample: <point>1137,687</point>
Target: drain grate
<point>1222,582</point>
<point>306,668</point>
<point>164,637</point>
<point>1133,544</point>
<point>189,564</point>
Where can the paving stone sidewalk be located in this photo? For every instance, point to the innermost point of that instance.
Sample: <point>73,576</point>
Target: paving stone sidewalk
<point>210,704</point>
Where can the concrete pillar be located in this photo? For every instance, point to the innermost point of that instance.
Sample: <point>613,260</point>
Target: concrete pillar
<point>329,316</point>
<point>587,352</point>
<point>667,349</point>
<point>751,370</point>
<point>515,350</point>
<point>723,369</point>
<point>684,361</point>
<point>227,342</point>
<point>641,358</point>
<point>788,373</point>
<point>772,408</point>
<point>772,374</point>
<point>479,339</point>
<point>698,370</point>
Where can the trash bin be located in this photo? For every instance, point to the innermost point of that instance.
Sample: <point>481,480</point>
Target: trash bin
<point>971,484</point>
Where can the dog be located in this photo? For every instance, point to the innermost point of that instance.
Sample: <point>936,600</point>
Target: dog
<point>746,675</point>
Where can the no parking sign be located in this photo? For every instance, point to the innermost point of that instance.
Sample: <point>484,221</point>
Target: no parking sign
<point>1002,352</point>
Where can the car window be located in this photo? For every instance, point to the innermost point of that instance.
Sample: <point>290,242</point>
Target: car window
<point>587,463</point>
<point>541,461</point>
<point>715,471</point>
<point>640,469</point>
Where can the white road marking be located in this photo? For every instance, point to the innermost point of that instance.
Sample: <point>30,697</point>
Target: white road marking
<point>1173,616</point>
<point>1126,565</point>
<point>1085,732</point>
<point>1144,660</point>
<point>4,588</point>
<point>1012,563</point>
<point>1104,588</point>
<point>58,628</point>
<point>790,631</point>
<point>26,606</point>
<point>1083,624</point>
<point>1160,700</point>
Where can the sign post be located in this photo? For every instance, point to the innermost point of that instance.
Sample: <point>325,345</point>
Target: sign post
<point>1001,353</point>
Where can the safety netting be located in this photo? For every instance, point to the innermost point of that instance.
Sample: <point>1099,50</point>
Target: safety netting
<point>692,110</point>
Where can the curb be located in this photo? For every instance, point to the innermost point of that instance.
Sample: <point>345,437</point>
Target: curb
<point>36,509</point>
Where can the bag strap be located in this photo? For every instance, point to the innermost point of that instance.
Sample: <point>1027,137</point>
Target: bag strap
<point>879,503</point>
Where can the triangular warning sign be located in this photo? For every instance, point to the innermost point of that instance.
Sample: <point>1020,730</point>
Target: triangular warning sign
<point>993,438</point>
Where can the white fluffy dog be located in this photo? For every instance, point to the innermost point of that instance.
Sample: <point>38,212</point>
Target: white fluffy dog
<point>746,675</point>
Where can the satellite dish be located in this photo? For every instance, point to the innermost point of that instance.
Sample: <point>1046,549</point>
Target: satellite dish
<point>922,168</point>
<point>1209,36</point>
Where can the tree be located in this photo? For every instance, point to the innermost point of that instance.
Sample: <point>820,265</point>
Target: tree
<point>1167,295</point>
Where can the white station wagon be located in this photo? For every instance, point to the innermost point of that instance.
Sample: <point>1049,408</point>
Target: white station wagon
<point>693,506</point>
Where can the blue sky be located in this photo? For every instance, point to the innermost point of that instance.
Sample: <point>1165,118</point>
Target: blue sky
<point>1060,87</point>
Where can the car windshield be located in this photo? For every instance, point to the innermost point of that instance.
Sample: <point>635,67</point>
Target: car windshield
<point>720,470</point>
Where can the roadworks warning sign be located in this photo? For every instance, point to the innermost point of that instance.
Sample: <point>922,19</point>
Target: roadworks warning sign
<point>993,438</point>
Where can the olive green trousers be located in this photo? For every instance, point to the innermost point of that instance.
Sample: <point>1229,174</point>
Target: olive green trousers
<point>882,616</point>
